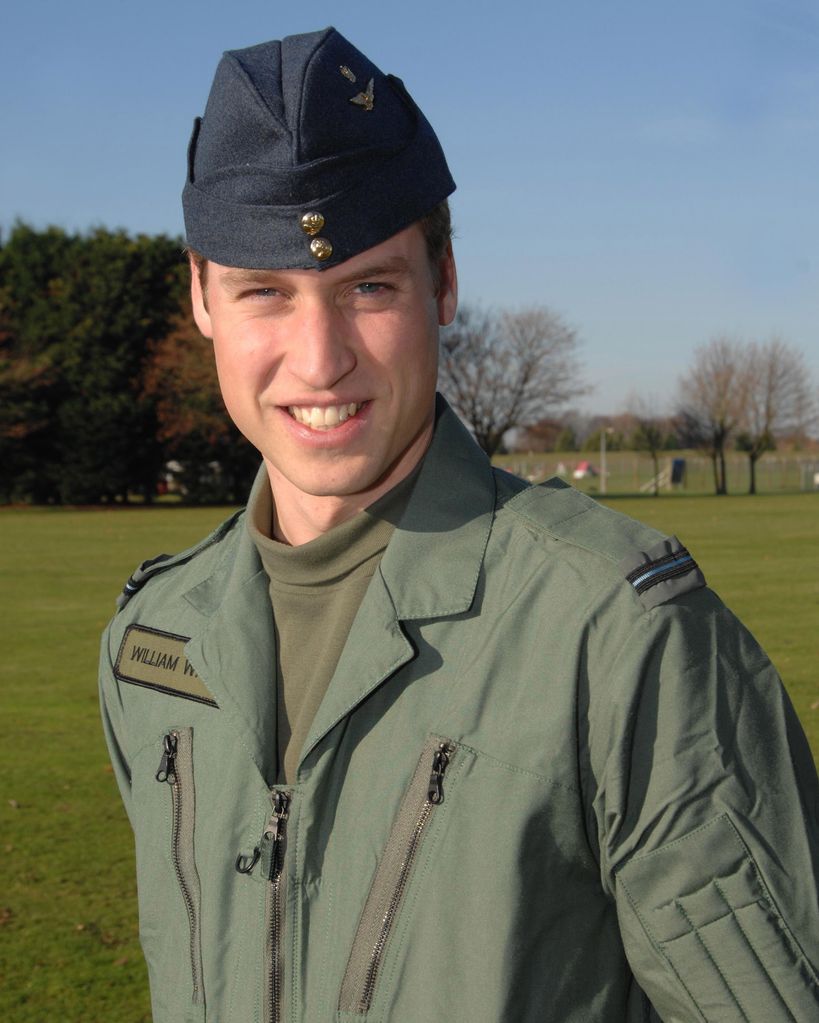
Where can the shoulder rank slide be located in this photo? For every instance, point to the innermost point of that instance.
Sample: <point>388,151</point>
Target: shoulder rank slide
<point>162,562</point>
<point>136,580</point>
<point>664,571</point>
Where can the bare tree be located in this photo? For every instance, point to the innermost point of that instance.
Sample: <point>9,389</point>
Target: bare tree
<point>778,399</point>
<point>649,433</point>
<point>501,369</point>
<point>712,397</point>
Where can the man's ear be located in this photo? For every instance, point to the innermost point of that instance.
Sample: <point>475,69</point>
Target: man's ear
<point>448,288</point>
<point>199,302</point>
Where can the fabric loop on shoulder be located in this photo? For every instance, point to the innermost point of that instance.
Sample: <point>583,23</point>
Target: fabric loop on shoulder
<point>661,573</point>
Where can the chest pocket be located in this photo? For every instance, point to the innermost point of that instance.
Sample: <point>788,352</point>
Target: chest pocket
<point>170,898</point>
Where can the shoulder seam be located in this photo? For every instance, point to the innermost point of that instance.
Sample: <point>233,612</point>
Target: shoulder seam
<point>540,527</point>
<point>164,562</point>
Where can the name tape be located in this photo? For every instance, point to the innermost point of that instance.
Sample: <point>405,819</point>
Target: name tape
<point>156,660</point>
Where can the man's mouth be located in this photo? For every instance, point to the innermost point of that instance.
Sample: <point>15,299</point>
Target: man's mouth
<point>325,418</point>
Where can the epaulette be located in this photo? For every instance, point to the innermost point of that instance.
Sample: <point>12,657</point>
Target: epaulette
<point>664,571</point>
<point>657,568</point>
<point>162,562</point>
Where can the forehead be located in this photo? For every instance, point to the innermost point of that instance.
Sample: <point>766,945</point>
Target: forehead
<point>403,253</point>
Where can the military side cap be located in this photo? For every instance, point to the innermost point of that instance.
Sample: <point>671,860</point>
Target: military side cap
<point>306,155</point>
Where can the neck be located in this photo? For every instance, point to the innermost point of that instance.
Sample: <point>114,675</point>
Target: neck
<point>299,517</point>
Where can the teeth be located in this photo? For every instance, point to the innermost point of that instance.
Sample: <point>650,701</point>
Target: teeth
<point>323,418</point>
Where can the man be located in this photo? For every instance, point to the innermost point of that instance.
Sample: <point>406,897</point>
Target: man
<point>408,739</point>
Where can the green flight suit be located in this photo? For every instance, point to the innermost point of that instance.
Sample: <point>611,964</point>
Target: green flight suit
<point>539,787</point>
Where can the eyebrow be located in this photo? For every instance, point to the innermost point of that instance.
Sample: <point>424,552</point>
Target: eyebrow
<point>389,268</point>
<point>239,277</point>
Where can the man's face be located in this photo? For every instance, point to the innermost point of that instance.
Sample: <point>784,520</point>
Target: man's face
<point>332,375</point>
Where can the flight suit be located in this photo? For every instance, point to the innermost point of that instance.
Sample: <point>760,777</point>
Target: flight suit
<point>553,779</point>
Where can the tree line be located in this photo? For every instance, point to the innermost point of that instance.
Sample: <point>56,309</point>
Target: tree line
<point>508,369</point>
<point>108,390</point>
<point>104,378</point>
<point>751,394</point>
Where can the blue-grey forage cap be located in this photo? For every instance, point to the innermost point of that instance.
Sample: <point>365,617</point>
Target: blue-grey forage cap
<point>306,155</point>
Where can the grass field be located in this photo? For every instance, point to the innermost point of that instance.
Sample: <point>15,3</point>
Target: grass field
<point>68,937</point>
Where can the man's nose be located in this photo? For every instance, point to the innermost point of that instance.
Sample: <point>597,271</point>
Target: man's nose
<point>320,353</point>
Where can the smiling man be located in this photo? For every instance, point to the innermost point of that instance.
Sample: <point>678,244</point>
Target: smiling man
<point>408,739</point>
<point>331,375</point>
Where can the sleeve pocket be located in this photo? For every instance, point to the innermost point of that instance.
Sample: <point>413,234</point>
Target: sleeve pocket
<point>703,904</point>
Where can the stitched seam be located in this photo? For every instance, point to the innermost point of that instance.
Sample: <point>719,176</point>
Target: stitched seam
<point>248,893</point>
<point>328,917</point>
<point>182,558</point>
<point>495,762</point>
<point>402,660</point>
<point>167,691</point>
<point>538,527</point>
<point>684,838</point>
<point>658,948</point>
<point>788,934</point>
<point>407,906</point>
<point>754,952</point>
<point>295,943</point>
<point>698,935</point>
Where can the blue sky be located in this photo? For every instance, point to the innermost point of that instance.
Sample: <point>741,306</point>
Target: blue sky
<point>649,169</point>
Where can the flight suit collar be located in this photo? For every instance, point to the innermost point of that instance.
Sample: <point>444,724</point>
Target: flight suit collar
<point>235,650</point>
<point>433,561</point>
<point>429,570</point>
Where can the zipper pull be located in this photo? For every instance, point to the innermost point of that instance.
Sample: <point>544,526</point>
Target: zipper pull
<point>440,761</point>
<point>245,864</point>
<point>167,765</point>
<point>273,835</point>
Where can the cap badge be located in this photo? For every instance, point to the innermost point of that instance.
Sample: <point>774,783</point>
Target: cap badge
<point>362,99</point>
<point>365,99</point>
<point>312,223</point>
<point>321,248</point>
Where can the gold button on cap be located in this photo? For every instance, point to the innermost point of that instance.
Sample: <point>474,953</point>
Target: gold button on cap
<point>312,223</point>
<point>321,248</point>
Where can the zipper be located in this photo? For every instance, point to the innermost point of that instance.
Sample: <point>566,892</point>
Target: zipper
<point>424,794</point>
<point>176,769</point>
<point>271,858</point>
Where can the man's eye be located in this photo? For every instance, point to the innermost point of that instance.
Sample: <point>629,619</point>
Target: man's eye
<point>370,288</point>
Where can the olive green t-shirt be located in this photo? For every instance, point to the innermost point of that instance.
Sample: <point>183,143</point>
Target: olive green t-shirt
<point>316,590</point>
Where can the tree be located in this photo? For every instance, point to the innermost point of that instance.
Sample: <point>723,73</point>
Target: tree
<point>32,323</point>
<point>77,314</point>
<point>649,433</point>
<point>615,441</point>
<point>778,399</point>
<point>501,369</point>
<point>566,440</point>
<point>712,397</point>
<point>192,422</point>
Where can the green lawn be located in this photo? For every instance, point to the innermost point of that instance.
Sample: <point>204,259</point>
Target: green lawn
<point>68,940</point>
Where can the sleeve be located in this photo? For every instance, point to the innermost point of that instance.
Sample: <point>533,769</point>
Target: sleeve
<point>113,723</point>
<point>706,809</point>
